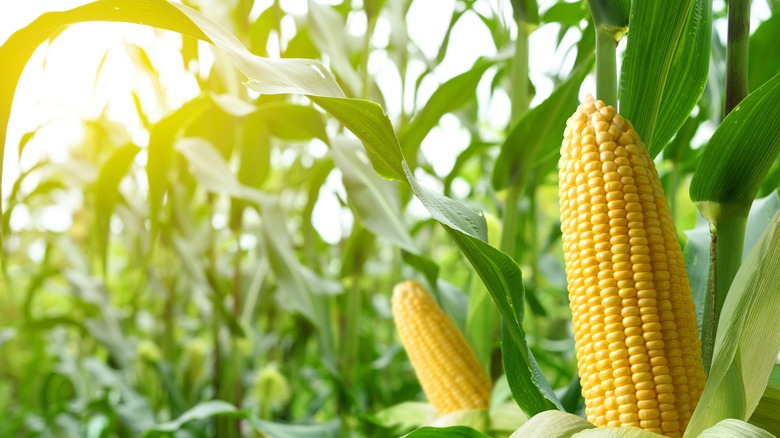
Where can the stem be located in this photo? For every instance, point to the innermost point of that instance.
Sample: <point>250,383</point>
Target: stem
<point>509,224</point>
<point>606,66</point>
<point>519,96</point>
<point>727,227</point>
<point>520,101</point>
<point>737,54</point>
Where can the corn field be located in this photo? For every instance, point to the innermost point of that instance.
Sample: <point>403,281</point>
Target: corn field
<point>385,218</point>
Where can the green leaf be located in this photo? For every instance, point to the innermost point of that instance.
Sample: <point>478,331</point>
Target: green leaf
<point>446,432</point>
<point>370,124</point>
<point>107,192</point>
<point>450,96</point>
<point>760,217</point>
<point>764,45</point>
<point>655,30</point>
<point>741,151</point>
<point>552,424</point>
<point>568,14</point>
<point>687,76</point>
<point>299,288</point>
<point>537,133</point>
<point>522,393</point>
<point>477,419</point>
<point>766,414</point>
<point>374,199</point>
<point>219,408</point>
<point>748,338</point>
<point>731,428</point>
<point>452,214</point>
<point>406,415</point>
<point>162,137</point>
<point>293,122</point>
<point>774,377</point>
<point>323,20</point>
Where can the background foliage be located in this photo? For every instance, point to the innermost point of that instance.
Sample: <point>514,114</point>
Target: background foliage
<point>229,268</point>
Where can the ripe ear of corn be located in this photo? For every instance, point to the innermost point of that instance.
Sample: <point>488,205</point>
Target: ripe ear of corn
<point>447,369</point>
<point>636,338</point>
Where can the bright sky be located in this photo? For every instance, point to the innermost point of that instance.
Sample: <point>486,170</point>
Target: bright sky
<point>58,87</point>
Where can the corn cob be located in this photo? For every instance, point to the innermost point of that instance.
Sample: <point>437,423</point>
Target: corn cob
<point>447,369</point>
<point>635,332</point>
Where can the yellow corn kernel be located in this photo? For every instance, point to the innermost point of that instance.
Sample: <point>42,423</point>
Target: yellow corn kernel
<point>636,339</point>
<point>447,369</point>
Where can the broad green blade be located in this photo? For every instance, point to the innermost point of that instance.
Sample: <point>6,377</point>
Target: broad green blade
<point>655,27</point>
<point>741,151</point>
<point>748,338</point>
<point>731,428</point>
<point>446,432</point>
<point>552,424</point>
<point>687,76</point>
<point>537,133</point>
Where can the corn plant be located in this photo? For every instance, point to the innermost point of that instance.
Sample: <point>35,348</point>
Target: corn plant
<point>194,293</point>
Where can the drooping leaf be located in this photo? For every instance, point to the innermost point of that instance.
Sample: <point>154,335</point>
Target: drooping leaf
<point>748,338</point>
<point>655,30</point>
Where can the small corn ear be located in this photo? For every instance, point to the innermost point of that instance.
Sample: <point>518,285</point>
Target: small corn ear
<point>447,369</point>
<point>636,338</point>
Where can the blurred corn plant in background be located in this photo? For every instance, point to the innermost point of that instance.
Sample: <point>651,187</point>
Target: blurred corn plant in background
<point>227,261</point>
